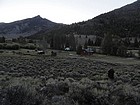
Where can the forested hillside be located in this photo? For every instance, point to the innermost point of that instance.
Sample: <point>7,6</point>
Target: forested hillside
<point>122,22</point>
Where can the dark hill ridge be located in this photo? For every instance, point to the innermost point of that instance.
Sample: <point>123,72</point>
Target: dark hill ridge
<point>122,22</point>
<point>25,27</point>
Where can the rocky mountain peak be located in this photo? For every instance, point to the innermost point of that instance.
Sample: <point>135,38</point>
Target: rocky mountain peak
<point>26,27</point>
<point>38,17</point>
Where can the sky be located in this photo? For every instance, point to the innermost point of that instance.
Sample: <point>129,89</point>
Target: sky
<point>59,11</point>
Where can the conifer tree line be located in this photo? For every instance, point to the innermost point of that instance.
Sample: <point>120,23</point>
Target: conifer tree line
<point>60,42</point>
<point>110,44</point>
<point>2,39</point>
<point>117,46</point>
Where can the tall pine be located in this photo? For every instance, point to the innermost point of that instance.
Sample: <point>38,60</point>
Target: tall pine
<point>107,44</point>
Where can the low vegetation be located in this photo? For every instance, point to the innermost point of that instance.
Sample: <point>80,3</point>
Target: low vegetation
<point>31,77</point>
<point>26,80</point>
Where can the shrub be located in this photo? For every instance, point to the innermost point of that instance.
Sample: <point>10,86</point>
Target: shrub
<point>139,53</point>
<point>15,47</point>
<point>84,95</point>
<point>32,47</point>
<point>53,53</point>
<point>1,46</point>
<point>122,51</point>
<point>20,95</point>
<point>53,89</point>
<point>1,51</point>
<point>124,95</point>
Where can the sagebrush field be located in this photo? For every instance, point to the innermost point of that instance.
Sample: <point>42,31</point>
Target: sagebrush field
<point>67,80</point>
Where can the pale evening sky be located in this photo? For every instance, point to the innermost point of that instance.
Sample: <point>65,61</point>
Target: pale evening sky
<point>60,11</point>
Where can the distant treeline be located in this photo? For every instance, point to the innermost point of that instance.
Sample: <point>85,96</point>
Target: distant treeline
<point>16,46</point>
<point>60,42</point>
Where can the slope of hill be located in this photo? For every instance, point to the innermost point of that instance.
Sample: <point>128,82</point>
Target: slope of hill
<point>122,22</point>
<point>25,27</point>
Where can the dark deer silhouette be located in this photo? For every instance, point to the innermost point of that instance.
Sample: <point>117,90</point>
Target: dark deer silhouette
<point>111,73</point>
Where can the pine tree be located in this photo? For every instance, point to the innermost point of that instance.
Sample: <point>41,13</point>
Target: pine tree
<point>2,39</point>
<point>72,42</point>
<point>127,42</point>
<point>52,43</point>
<point>79,50</point>
<point>136,43</point>
<point>85,45</point>
<point>89,42</point>
<point>98,41</point>
<point>107,44</point>
<point>139,53</point>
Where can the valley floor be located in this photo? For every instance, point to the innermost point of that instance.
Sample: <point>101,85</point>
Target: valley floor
<point>77,76</point>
